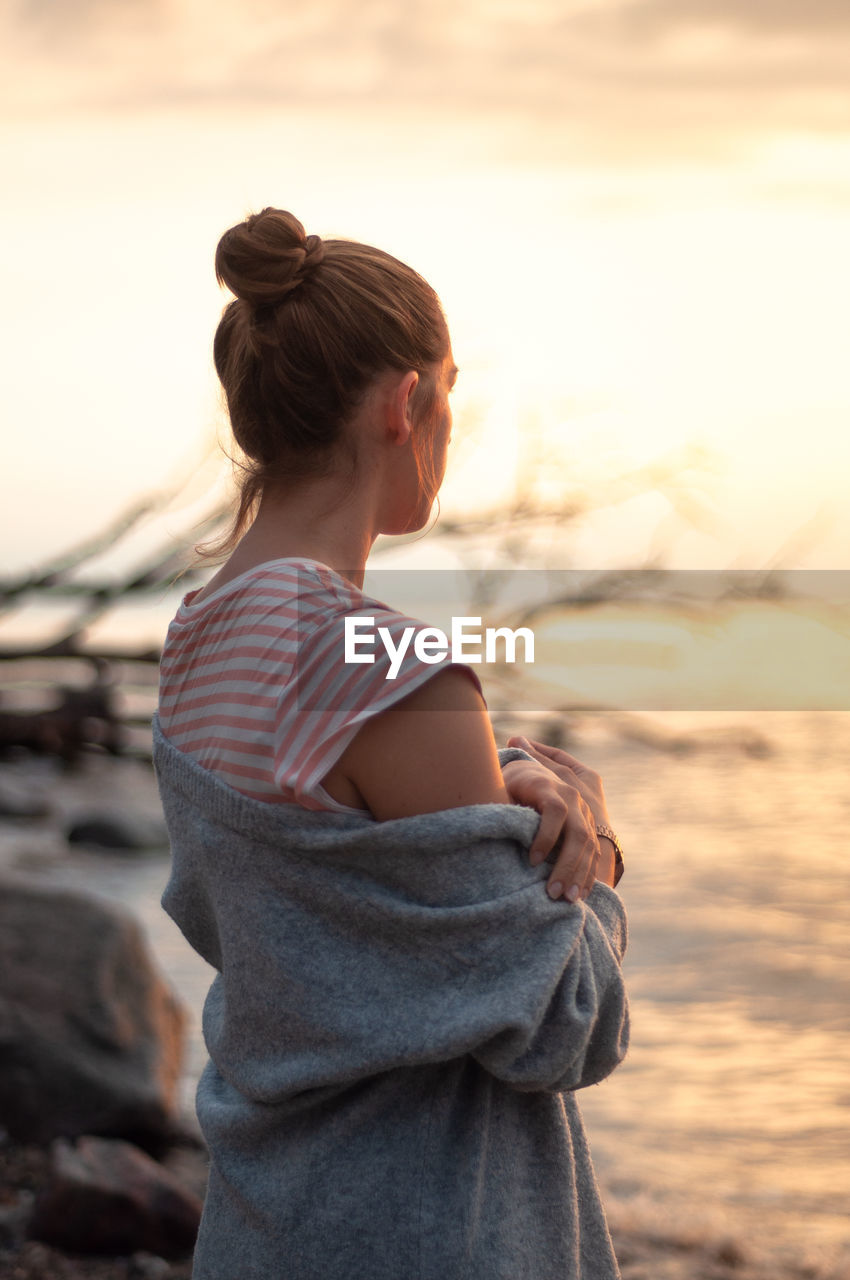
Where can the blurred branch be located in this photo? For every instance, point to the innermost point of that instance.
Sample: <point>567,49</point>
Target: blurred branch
<point>55,575</point>
<point>68,647</point>
<point>157,574</point>
<point>55,572</point>
<point>510,530</point>
<point>669,476</point>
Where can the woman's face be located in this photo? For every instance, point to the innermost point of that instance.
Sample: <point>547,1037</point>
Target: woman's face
<point>442,421</point>
<point>433,434</point>
<point>415,471</point>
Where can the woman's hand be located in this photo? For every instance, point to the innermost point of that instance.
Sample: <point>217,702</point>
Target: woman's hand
<point>566,819</point>
<point>566,767</point>
<point>584,785</point>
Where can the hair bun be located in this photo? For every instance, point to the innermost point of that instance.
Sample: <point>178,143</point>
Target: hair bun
<point>262,259</point>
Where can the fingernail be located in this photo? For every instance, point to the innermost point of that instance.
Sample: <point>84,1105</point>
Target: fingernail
<point>554,888</point>
<point>522,742</point>
<point>573,893</point>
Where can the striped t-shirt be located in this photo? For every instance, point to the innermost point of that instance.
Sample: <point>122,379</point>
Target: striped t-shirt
<point>254,685</point>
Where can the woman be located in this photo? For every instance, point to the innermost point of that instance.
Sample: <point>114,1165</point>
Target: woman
<point>401,1013</point>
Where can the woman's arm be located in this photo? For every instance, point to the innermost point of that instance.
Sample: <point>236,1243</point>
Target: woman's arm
<point>435,750</point>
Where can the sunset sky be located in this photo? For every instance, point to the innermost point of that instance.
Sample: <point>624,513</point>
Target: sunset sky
<point>635,213</point>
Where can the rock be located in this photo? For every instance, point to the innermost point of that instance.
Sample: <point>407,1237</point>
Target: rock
<point>730,1254</point>
<point>189,1163</point>
<point>37,854</point>
<point>34,1260</point>
<point>109,1197</point>
<point>147,1266</point>
<point>15,1217</point>
<point>118,830</point>
<point>91,1037</point>
<point>17,800</point>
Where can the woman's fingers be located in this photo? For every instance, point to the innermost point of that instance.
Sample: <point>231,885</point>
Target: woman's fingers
<point>553,815</point>
<point>566,823</point>
<point>590,878</point>
<point>542,749</point>
<point>574,871</point>
<point>569,770</point>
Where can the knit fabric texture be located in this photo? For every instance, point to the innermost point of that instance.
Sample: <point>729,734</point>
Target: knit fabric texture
<point>398,1022</point>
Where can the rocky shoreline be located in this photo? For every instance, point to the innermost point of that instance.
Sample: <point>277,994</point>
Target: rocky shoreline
<point>25,1181</point>
<point>644,1254</point>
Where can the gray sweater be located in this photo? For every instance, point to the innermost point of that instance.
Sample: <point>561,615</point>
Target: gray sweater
<point>397,1026</point>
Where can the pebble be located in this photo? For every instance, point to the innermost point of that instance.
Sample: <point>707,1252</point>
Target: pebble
<point>118,830</point>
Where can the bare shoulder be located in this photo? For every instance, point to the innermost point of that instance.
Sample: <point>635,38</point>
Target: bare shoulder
<point>434,750</point>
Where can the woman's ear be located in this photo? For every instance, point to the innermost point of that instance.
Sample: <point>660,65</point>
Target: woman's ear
<point>401,407</point>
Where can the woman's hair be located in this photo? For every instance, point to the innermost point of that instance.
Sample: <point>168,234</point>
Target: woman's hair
<point>312,324</point>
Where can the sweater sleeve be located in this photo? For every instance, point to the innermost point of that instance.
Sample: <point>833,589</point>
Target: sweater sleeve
<point>583,1016</point>
<point>344,969</point>
<point>347,947</point>
<point>579,1034</point>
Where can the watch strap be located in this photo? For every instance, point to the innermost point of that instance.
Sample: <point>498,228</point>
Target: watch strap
<point>619,866</point>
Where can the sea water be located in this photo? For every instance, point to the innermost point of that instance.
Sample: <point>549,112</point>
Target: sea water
<point>734,1101</point>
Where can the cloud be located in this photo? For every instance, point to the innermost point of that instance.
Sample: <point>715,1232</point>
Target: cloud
<point>663,77</point>
<point>805,20</point>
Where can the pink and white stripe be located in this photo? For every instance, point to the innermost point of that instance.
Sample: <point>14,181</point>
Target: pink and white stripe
<point>253,683</point>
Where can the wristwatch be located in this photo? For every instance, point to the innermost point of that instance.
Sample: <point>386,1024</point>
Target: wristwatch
<point>619,868</point>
